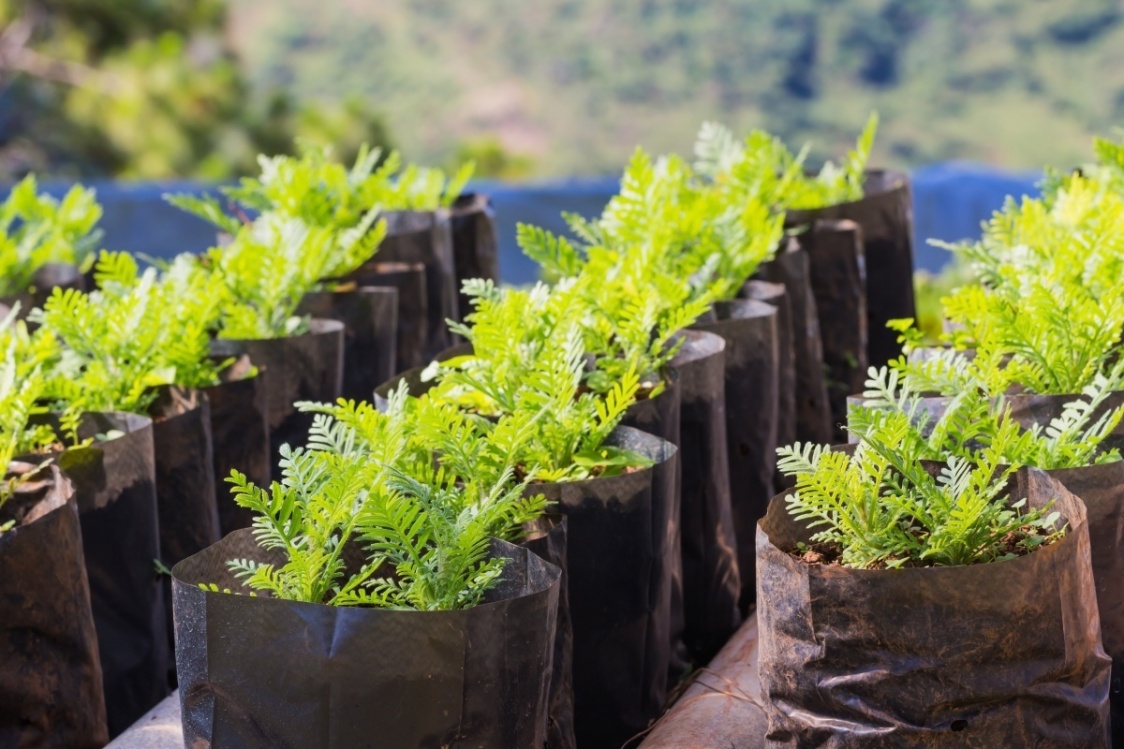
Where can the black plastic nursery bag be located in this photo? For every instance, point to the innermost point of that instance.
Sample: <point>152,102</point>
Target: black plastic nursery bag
<point>411,337</point>
<point>240,436</point>
<point>885,214</point>
<point>838,276</point>
<point>707,543</point>
<point>50,679</point>
<point>775,294</point>
<point>115,489</point>
<point>547,538</point>
<point>370,318</point>
<point>791,268</point>
<point>306,367</point>
<point>475,247</point>
<point>263,673</point>
<point>750,331</point>
<point>620,594</point>
<point>45,280</point>
<point>1006,654</point>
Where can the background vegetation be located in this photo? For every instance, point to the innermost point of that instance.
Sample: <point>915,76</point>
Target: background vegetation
<point>195,87</point>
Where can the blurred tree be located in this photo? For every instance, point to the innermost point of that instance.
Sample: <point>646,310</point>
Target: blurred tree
<point>491,159</point>
<point>145,89</point>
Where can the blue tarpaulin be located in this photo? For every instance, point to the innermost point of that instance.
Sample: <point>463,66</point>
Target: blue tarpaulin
<point>950,201</point>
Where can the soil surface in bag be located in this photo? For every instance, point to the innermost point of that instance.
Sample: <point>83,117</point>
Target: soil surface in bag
<point>619,594</point>
<point>50,679</point>
<point>546,537</point>
<point>43,283</point>
<point>1006,654</point>
<point>791,268</point>
<point>885,214</point>
<point>370,328</point>
<point>263,673</point>
<point>838,276</point>
<point>475,248</point>
<point>660,416</point>
<point>306,367</point>
<point>115,489</point>
<point>422,237</point>
<point>708,547</point>
<point>240,436</point>
<point>750,331</point>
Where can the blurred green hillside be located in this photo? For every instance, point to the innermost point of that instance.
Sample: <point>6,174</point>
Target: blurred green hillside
<point>575,84</point>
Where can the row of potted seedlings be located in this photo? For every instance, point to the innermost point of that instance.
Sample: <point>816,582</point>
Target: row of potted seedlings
<point>377,562</point>
<point>953,576</point>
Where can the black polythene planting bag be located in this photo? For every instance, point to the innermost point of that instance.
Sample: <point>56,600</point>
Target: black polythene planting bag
<point>750,331</point>
<point>547,538</point>
<point>838,276</point>
<point>660,416</point>
<point>885,214</point>
<point>187,510</point>
<point>775,295</point>
<point>619,575</point>
<point>307,367</point>
<point>412,335</point>
<point>115,488</point>
<point>370,323</point>
<point>240,436</point>
<point>45,280</point>
<point>1003,654</point>
<point>711,583</point>
<point>423,237</point>
<point>50,679</point>
<point>475,247</point>
<point>264,673</point>
<point>791,268</point>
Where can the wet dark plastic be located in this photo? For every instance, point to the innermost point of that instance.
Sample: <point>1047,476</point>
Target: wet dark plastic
<point>619,594</point>
<point>547,538</point>
<point>240,435</point>
<point>411,343</point>
<point>885,214</point>
<point>422,237</point>
<point>306,367</point>
<point>475,247</point>
<point>750,330</point>
<point>370,318</point>
<point>115,488</point>
<point>708,546</point>
<point>838,275</point>
<point>50,679</point>
<point>813,414</point>
<point>991,655</point>
<point>264,673</point>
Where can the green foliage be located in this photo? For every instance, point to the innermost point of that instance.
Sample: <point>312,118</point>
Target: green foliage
<point>37,229</point>
<point>882,508</point>
<point>148,90</point>
<point>370,479</point>
<point>136,332</point>
<point>972,421</point>
<point>22,385</point>
<point>762,168</point>
<point>271,263</point>
<point>530,358</point>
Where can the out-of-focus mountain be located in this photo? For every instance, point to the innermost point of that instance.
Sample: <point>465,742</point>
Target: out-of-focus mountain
<point>575,84</point>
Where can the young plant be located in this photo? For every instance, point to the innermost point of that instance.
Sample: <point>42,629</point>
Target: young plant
<point>762,168</point>
<point>272,263</point>
<point>135,333</point>
<point>367,481</point>
<point>880,507</point>
<point>36,229</point>
<point>325,193</point>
